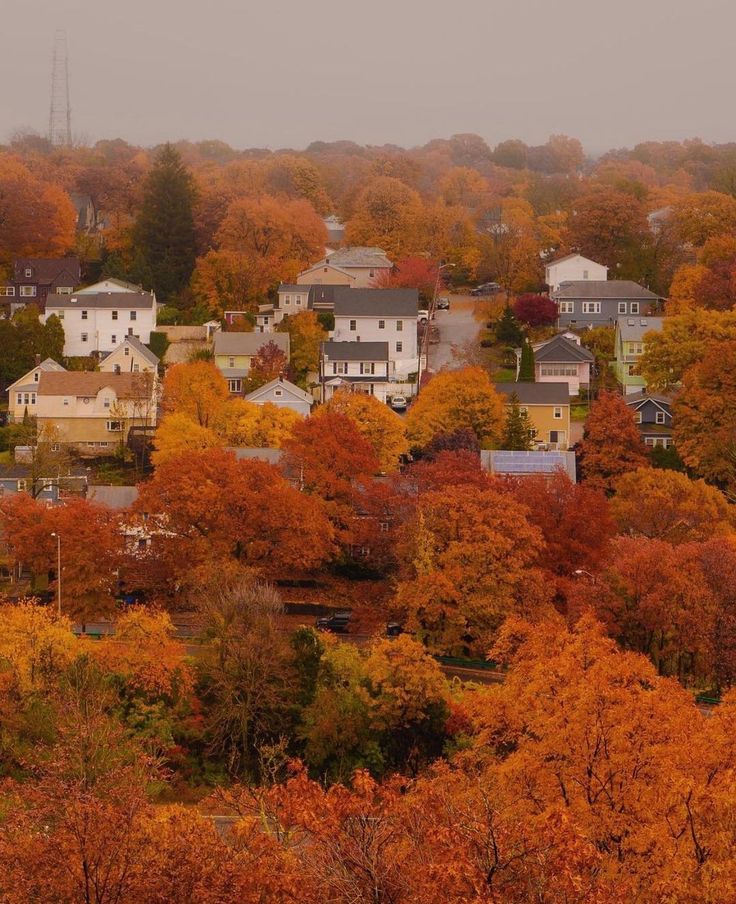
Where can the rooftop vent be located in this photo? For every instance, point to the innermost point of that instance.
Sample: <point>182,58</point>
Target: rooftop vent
<point>632,322</point>
<point>644,323</point>
<point>74,299</point>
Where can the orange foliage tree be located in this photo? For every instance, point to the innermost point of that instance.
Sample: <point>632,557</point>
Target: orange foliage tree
<point>611,443</point>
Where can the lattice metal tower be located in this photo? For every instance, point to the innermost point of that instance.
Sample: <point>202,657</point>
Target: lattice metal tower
<point>60,113</point>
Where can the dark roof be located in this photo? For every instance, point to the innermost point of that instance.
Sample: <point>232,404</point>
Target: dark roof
<point>292,287</point>
<point>122,300</point>
<point>358,256</point>
<point>635,398</point>
<point>537,393</point>
<point>135,343</point>
<point>113,497</point>
<point>21,471</point>
<point>248,343</point>
<point>376,302</point>
<point>48,269</point>
<point>355,351</point>
<point>600,289</point>
<point>563,350</point>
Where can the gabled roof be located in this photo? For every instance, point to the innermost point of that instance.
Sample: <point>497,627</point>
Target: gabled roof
<point>358,256</point>
<point>355,351</point>
<point>48,365</point>
<point>121,283</point>
<point>143,350</point>
<point>351,302</point>
<point>279,383</point>
<point>113,497</point>
<point>636,400</point>
<point>248,343</point>
<point>48,269</point>
<point>571,256</point>
<point>634,328</point>
<point>537,393</point>
<point>601,289</point>
<point>563,351</point>
<point>105,300</point>
<point>320,265</point>
<point>86,384</point>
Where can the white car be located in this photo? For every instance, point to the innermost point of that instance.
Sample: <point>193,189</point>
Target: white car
<point>423,316</point>
<point>398,403</point>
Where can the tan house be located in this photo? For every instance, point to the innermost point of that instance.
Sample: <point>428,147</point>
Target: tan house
<point>131,356</point>
<point>23,394</point>
<point>94,412</point>
<point>548,407</point>
<point>358,267</point>
<point>235,351</point>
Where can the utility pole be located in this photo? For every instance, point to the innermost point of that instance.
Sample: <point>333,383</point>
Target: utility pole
<point>60,112</point>
<point>58,571</point>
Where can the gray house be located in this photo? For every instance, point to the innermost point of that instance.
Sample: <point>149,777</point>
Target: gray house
<point>582,304</point>
<point>653,415</point>
<point>20,478</point>
<point>283,394</point>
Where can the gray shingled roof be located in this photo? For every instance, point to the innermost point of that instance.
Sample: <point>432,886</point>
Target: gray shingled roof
<point>248,343</point>
<point>537,393</point>
<point>600,289</point>
<point>355,351</point>
<point>563,351</point>
<point>142,349</point>
<point>113,497</point>
<point>123,300</point>
<point>280,383</point>
<point>634,328</point>
<point>358,256</point>
<point>351,302</point>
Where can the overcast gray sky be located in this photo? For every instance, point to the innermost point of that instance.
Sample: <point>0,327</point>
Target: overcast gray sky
<point>282,73</point>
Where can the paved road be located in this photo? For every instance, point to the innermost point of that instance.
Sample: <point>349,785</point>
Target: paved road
<point>457,327</point>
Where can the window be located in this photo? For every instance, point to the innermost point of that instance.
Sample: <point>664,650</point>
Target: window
<point>649,441</point>
<point>33,400</point>
<point>65,290</point>
<point>367,367</point>
<point>114,315</point>
<point>84,315</point>
<point>135,368</point>
<point>19,398</point>
<point>399,346</point>
<point>638,417</point>
<point>399,326</point>
<point>21,485</point>
<point>60,315</point>
<point>114,339</point>
<point>339,367</point>
<point>353,325</point>
<point>116,369</point>
<point>278,392</point>
<point>26,398</point>
<point>659,417</point>
<point>28,273</point>
<point>7,290</point>
<point>381,324</point>
<point>66,401</point>
<point>558,370</point>
<point>36,375</point>
<point>591,307</point>
<point>114,425</point>
<point>106,402</point>
<point>297,299</point>
<point>383,525</point>
<point>287,299</point>
<point>371,273</point>
<point>566,307</point>
<point>622,307</point>
<point>27,291</point>
<point>585,274</point>
<point>126,351</point>
<point>557,436</point>
<point>557,414</point>
<point>134,315</point>
<point>130,330</point>
<point>233,385</point>
<point>634,307</point>
<point>83,337</point>
<point>231,362</point>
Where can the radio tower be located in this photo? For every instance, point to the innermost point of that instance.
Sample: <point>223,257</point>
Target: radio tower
<point>60,113</point>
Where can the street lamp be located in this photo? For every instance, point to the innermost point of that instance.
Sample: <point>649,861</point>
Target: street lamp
<point>58,571</point>
<point>581,571</point>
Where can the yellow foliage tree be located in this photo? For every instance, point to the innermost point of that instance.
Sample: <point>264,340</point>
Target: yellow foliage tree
<point>383,428</point>
<point>178,433</point>
<point>197,390</point>
<point>35,645</point>
<point>457,400</point>
<point>243,423</point>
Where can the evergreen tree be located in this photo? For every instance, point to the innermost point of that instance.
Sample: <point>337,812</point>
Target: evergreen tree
<point>508,330</point>
<point>163,238</point>
<point>52,343</point>
<point>518,432</point>
<point>526,368</point>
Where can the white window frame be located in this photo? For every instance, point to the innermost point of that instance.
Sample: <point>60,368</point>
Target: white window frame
<point>84,315</point>
<point>28,273</point>
<point>113,426</point>
<point>634,307</point>
<point>659,417</point>
<point>591,307</point>
<point>399,347</point>
<point>381,324</point>
<point>65,290</point>
<point>278,392</point>
<point>566,307</point>
<point>234,385</point>
<point>353,325</point>
<point>84,337</point>
<point>622,307</point>
<point>638,417</point>
<point>134,315</point>
<point>557,412</point>
<point>7,291</point>
<point>114,315</point>
<point>27,292</point>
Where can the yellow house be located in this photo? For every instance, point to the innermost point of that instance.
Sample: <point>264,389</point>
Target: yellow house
<point>132,357</point>
<point>548,407</point>
<point>356,266</point>
<point>235,351</point>
<point>23,394</point>
<point>93,412</point>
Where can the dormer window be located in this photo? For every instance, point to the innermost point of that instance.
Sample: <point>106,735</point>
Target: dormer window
<point>28,273</point>
<point>278,392</point>
<point>127,351</point>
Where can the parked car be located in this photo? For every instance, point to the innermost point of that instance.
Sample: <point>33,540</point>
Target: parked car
<point>393,629</point>
<point>489,288</point>
<point>337,623</point>
<point>398,402</point>
<point>443,304</point>
<point>423,316</point>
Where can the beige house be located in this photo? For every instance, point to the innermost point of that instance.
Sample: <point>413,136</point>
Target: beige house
<point>235,351</point>
<point>94,412</point>
<point>358,267</point>
<point>23,394</point>
<point>132,356</point>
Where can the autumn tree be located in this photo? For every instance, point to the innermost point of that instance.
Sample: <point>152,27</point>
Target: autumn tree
<point>387,214</point>
<point>535,310</point>
<point>699,217</point>
<point>611,227</point>
<point>163,238</point>
<point>306,334</point>
<point>269,362</point>
<point>243,423</point>
<point>705,416</point>
<point>455,400</point>
<point>667,505</point>
<point>611,443</point>
<point>177,434</point>
<point>412,273</point>
<point>376,422</point>
<point>197,390</point>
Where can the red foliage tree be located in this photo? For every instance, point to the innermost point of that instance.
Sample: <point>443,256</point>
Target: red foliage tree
<point>535,310</point>
<point>411,273</point>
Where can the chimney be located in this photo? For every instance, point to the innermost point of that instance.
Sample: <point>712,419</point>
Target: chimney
<point>38,360</point>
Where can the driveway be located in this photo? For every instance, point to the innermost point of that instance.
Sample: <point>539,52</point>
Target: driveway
<point>457,327</point>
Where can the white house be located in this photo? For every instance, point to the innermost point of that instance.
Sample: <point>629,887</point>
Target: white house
<point>109,285</point>
<point>573,268</point>
<point>98,322</point>
<point>282,394</point>
<point>380,315</point>
<point>357,266</point>
<point>131,356</point>
<point>359,366</point>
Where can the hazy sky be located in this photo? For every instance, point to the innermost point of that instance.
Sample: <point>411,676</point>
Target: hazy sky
<point>282,73</point>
